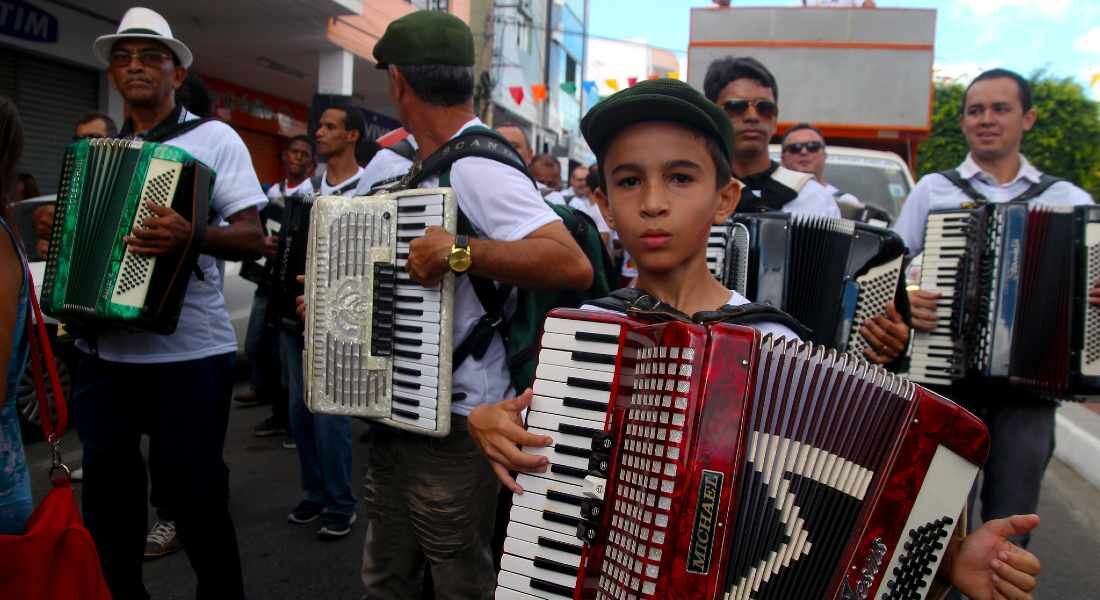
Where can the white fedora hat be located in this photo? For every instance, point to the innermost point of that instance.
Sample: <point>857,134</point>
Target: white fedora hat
<point>142,23</point>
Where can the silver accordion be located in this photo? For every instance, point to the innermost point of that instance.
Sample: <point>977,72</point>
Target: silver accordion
<point>378,344</point>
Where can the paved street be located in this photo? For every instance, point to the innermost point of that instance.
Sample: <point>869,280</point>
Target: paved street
<point>283,561</point>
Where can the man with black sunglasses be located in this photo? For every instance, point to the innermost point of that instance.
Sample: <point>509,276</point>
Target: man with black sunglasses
<point>747,91</point>
<point>803,150</point>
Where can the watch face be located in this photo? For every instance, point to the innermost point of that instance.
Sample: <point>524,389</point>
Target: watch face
<point>460,259</point>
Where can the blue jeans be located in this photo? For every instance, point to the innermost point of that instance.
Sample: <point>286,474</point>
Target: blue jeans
<point>324,441</point>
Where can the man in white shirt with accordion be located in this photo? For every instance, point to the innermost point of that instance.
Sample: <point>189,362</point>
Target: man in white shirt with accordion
<point>978,199</point>
<point>168,370</point>
<point>430,501</point>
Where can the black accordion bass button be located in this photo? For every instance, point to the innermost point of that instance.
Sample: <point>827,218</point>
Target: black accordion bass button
<point>601,442</point>
<point>591,510</point>
<point>599,464</point>
<point>586,533</point>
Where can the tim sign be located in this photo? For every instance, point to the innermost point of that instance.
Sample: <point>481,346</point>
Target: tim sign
<point>27,22</point>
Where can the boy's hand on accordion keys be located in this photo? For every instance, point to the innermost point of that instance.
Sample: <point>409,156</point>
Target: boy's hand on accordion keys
<point>428,256</point>
<point>986,566</point>
<point>886,336</point>
<point>165,232</point>
<point>1094,294</point>
<point>498,430</point>
<point>923,307</point>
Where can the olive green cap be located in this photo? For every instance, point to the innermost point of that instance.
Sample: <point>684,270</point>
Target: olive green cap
<point>656,100</point>
<point>426,37</point>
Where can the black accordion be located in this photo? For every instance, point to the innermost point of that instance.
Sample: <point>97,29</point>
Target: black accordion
<point>290,261</point>
<point>830,274</point>
<point>1014,281</point>
<point>709,462</point>
<point>262,270</point>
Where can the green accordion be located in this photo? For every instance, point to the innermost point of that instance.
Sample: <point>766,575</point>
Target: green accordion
<point>91,278</point>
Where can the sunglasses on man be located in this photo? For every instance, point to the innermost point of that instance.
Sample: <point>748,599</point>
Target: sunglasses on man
<point>149,57</point>
<point>738,107</point>
<point>798,147</point>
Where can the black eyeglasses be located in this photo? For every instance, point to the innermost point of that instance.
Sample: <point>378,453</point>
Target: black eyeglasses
<point>797,147</point>
<point>149,57</point>
<point>738,107</point>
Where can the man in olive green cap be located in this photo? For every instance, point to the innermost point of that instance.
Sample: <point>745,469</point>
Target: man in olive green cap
<point>431,502</point>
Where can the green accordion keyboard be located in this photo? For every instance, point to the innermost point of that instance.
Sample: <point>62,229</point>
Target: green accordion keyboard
<point>91,278</point>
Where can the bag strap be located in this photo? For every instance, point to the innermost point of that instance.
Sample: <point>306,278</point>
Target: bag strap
<point>1037,189</point>
<point>54,419</point>
<point>964,185</point>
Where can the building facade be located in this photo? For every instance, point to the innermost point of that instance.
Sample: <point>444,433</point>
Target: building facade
<point>263,62</point>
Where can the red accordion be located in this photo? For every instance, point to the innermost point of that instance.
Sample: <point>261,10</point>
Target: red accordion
<point>711,462</point>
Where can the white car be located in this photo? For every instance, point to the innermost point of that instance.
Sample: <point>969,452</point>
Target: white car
<point>878,179</point>
<point>238,299</point>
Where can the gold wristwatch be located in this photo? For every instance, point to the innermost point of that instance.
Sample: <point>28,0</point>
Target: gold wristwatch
<point>459,259</point>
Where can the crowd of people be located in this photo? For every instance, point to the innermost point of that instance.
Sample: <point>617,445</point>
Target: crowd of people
<point>670,162</point>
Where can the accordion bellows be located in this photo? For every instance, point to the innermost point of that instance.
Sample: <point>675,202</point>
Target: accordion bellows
<point>830,274</point>
<point>706,461</point>
<point>377,344</point>
<point>91,276</point>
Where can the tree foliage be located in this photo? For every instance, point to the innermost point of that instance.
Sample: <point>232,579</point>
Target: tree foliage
<point>1065,141</point>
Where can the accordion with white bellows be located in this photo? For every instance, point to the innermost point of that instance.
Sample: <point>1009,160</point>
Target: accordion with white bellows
<point>378,344</point>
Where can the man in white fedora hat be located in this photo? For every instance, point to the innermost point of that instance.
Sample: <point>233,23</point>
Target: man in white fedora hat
<point>174,387</point>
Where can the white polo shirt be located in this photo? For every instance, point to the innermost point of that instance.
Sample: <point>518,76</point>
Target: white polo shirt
<point>386,165</point>
<point>282,190</point>
<point>935,192</point>
<point>591,209</point>
<point>204,328</point>
<point>344,188</point>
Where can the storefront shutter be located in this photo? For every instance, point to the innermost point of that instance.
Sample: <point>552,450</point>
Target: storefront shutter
<point>51,97</point>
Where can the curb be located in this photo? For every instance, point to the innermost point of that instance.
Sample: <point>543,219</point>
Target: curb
<point>1077,435</point>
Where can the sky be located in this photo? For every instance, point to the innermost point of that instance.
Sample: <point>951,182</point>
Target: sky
<point>1060,36</point>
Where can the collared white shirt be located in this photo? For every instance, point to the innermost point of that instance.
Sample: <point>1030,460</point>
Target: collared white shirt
<point>813,199</point>
<point>204,328</point>
<point>502,205</point>
<point>935,192</point>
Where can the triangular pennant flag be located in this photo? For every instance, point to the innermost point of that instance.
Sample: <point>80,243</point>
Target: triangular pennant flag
<point>612,83</point>
<point>673,74</point>
<point>517,93</point>
<point>538,92</point>
<point>1095,78</point>
<point>630,81</point>
<point>590,88</point>
<point>569,87</point>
